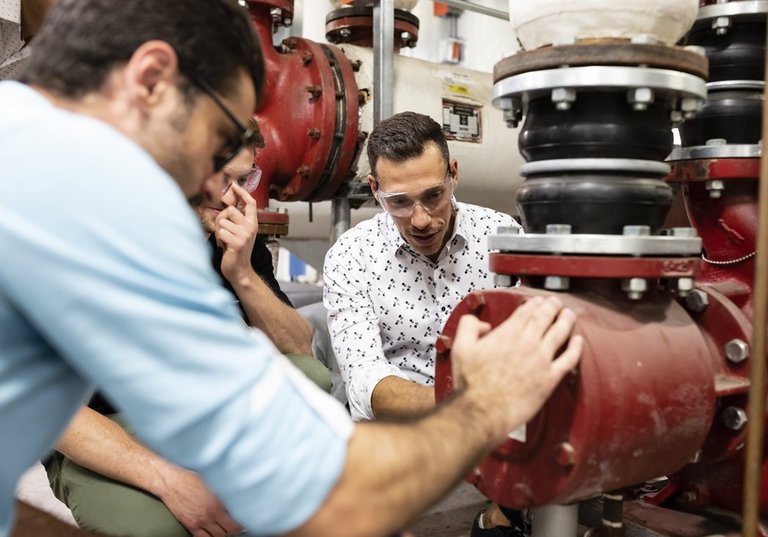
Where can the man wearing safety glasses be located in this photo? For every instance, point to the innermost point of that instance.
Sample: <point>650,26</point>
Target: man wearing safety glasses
<point>392,281</point>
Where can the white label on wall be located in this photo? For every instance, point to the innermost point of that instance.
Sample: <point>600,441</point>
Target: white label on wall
<point>461,121</point>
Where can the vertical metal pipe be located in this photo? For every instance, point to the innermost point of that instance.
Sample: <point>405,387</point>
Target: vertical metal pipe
<point>559,520</point>
<point>612,524</point>
<point>341,213</point>
<point>756,411</point>
<point>383,59</point>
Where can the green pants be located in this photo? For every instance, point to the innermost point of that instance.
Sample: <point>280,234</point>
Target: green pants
<point>113,508</point>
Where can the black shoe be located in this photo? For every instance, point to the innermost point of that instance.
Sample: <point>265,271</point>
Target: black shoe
<point>498,531</point>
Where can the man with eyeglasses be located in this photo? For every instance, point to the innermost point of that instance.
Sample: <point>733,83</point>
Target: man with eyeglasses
<point>105,282</point>
<point>392,281</point>
<point>109,480</point>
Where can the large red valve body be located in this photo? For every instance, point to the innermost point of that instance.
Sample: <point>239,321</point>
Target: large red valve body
<point>639,406</point>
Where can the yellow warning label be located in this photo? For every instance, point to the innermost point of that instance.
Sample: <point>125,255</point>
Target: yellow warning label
<point>458,89</point>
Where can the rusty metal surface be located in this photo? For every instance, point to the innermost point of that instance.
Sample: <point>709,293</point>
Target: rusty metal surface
<point>711,169</point>
<point>644,393</point>
<point>355,26</point>
<point>617,52</point>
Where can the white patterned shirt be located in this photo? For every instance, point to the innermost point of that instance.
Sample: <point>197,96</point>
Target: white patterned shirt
<point>387,304</point>
<point>13,54</point>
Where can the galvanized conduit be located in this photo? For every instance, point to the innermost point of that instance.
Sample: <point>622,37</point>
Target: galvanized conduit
<point>751,512</point>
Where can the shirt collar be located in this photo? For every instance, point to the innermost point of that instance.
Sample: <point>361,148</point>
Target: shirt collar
<point>395,241</point>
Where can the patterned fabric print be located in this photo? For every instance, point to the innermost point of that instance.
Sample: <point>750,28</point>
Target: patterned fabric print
<point>12,55</point>
<point>387,304</point>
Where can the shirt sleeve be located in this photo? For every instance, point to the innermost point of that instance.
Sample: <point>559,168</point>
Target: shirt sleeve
<point>110,266</point>
<point>354,327</point>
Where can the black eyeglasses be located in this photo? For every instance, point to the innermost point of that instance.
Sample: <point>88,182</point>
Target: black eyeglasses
<point>247,137</point>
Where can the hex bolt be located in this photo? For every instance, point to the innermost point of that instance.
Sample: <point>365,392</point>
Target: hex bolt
<point>558,229</point>
<point>315,91</point>
<point>721,25</point>
<point>636,231</point>
<point>276,13</point>
<point>406,36</point>
<point>716,141</point>
<point>634,287</point>
<point>290,43</point>
<point>734,417</point>
<point>736,351</point>
<point>715,188</point>
<point>563,98</point>
<point>689,106</point>
<point>287,21</point>
<point>345,32</point>
<point>640,98</point>
<point>557,283</point>
<point>689,496</point>
<point>510,118</point>
<point>565,455</point>
<point>684,286</point>
<point>313,133</point>
<point>644,39</point>
<point>503,280</point>
<point>303,171</point>
<point>683,232</point>
<point>356,65</point>
<point>697,300</point>
<point>676,117</point>
<point>306,57</point>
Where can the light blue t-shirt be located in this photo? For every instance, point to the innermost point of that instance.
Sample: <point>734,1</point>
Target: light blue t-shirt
<point>105,280</point>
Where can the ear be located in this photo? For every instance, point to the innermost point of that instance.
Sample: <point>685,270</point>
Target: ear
<point>152,71</point>
<point>454,167</point>
<point>372,183</point>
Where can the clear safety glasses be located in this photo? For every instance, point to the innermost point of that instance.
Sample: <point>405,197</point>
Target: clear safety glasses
<point>431,199</point>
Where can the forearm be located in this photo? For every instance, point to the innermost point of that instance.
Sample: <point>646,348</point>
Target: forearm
<point>283,325</point>
<point>398,398</point>
<point>415,464</point>
<point>32,522</point>
<point>102,446</point>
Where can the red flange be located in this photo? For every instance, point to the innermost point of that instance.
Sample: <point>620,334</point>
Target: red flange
<point>594,266</point>
<point>723,169</point>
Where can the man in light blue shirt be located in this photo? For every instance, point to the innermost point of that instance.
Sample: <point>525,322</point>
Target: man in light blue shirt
<point>124,109</point>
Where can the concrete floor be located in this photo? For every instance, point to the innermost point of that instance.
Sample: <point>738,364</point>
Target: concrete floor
<point>453,516</point>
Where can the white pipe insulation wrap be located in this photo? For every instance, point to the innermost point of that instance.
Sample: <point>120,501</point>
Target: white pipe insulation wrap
<point>405,5</point>
<point>544,22</point>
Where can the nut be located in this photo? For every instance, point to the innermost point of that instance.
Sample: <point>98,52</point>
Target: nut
<point>697,300</point>
<point>558,229</point>
<point>636,231</point>
<point>734,417</point>
<point>557,283</point>
<point>736,351</point>
<point>563,98</point>
<point>640,98</point>
<point>634,287</point>
<point>715,188</point>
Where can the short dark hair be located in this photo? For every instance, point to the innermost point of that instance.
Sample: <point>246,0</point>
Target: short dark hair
<point>405,136</point>
<point>81,41</point>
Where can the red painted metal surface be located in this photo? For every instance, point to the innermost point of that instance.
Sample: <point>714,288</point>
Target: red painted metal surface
<point>724,169</point>
<point>309,115</point>
<point>639,407</point>
<point>359,31</point>
<point>594,266</point>
<point>727,226</point>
